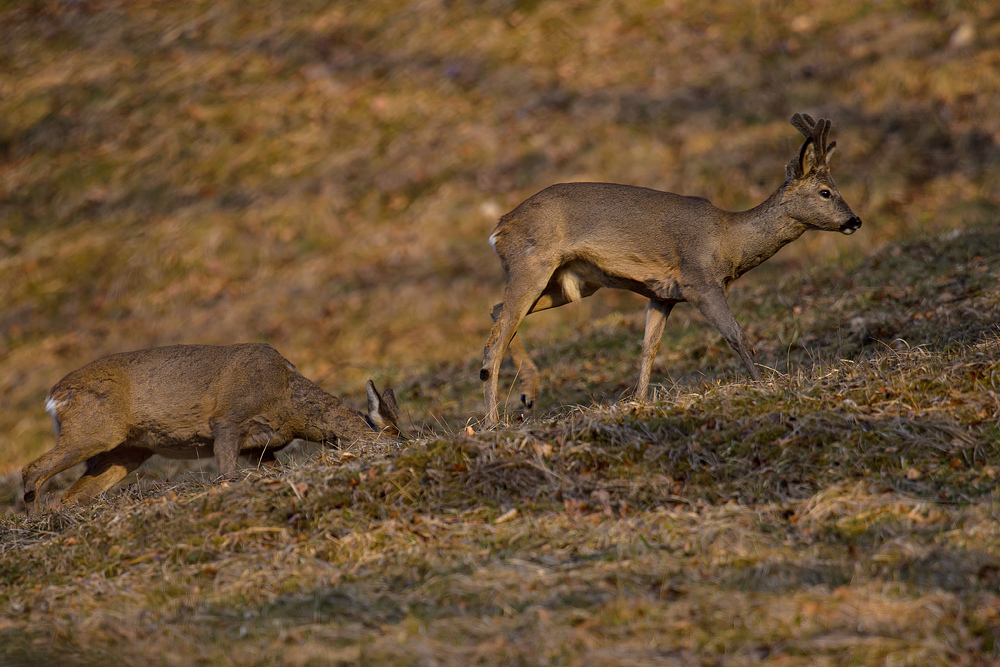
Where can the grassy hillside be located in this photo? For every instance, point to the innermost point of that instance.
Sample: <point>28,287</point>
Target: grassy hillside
<point>845,512</point>
<point>323,177</point>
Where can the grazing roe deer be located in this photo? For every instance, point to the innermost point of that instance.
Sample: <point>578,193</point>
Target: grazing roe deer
<point>569,240</point>
<point>178,401</point>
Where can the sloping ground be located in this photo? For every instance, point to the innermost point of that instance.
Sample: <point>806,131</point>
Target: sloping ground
<point>844,513</point>
<point>323,176</point>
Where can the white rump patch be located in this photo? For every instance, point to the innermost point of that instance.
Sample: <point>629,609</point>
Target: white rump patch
<point>493,241</point>
<point>52,406</point>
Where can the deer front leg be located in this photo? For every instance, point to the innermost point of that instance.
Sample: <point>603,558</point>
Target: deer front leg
<point>104,471</point>
<point>656,317</point>
<point>712,304</point>
<point>227,448</point>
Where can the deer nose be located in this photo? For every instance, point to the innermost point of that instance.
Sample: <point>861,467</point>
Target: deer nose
<point>851,225</point>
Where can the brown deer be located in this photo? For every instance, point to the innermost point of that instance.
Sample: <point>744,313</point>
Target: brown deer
<point>571,239</point>
<point>184,401</point>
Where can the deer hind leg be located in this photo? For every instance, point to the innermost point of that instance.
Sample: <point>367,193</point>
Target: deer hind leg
<point>104,471</point>
<point>72,447</point>
<point>656,317</point>
<point>563,287</point>
<point>524,289</point>
<point>526,368</point>
<point>527,371</point>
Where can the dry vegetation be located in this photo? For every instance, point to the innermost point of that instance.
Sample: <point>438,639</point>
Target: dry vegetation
<point>323,177</point>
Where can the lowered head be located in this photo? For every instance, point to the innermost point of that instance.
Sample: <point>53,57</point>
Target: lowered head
<point>383,412</point>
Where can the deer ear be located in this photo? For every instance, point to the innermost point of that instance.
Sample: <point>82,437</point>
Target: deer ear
<point>807,158</point>
<point>832,146</point>
<point>389,402</point>
<point>374,404</point>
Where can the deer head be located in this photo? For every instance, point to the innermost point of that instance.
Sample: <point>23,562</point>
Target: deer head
<point>812,196</point>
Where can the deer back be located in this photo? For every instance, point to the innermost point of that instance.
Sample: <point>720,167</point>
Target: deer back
<point>179,389</point>
<point>646,241</point>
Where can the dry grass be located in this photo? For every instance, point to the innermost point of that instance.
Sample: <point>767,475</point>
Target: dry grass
<point>775,521</point>
<point>323,177</point>
<point>844,513</point>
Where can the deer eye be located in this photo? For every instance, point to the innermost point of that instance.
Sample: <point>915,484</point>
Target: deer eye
<point>825,194</point>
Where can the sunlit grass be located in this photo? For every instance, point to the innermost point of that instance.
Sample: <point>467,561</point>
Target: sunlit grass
<point>324,178</point>
<point>345,162</point>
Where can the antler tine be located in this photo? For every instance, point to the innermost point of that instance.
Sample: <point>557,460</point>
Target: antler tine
<point>804,124</point>
<point>824,132</point>
<point>816,133</point>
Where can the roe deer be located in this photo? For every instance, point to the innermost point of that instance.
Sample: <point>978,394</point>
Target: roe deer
<point>571,239</point>
<point>181,400</point>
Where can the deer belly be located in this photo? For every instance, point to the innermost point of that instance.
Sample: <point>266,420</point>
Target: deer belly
<point>666,288</point>
<point>175,443</point>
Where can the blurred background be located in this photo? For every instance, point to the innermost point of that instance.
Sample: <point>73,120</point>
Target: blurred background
<point>323,176</point>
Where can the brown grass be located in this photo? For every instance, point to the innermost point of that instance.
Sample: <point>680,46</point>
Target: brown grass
<point>323,177</point>
<point>842,513</point>
<point>699,527</point>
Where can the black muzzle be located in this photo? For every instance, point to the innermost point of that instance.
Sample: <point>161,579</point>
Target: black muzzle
<point>851,225</point>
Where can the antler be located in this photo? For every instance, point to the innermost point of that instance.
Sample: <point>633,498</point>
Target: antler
<point>815,133</point>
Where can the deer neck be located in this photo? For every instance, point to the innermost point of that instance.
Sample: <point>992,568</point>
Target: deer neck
<point>755,235</point>
<point>323,418</point>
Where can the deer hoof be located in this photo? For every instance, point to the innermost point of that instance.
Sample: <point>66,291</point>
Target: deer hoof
<point>526,403</point>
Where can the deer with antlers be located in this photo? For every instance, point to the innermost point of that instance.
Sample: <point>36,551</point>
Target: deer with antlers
<point>571,239</point>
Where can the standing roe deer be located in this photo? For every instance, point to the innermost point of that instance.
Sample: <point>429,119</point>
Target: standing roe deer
<point>571,239</point>
<point>177,401</point>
